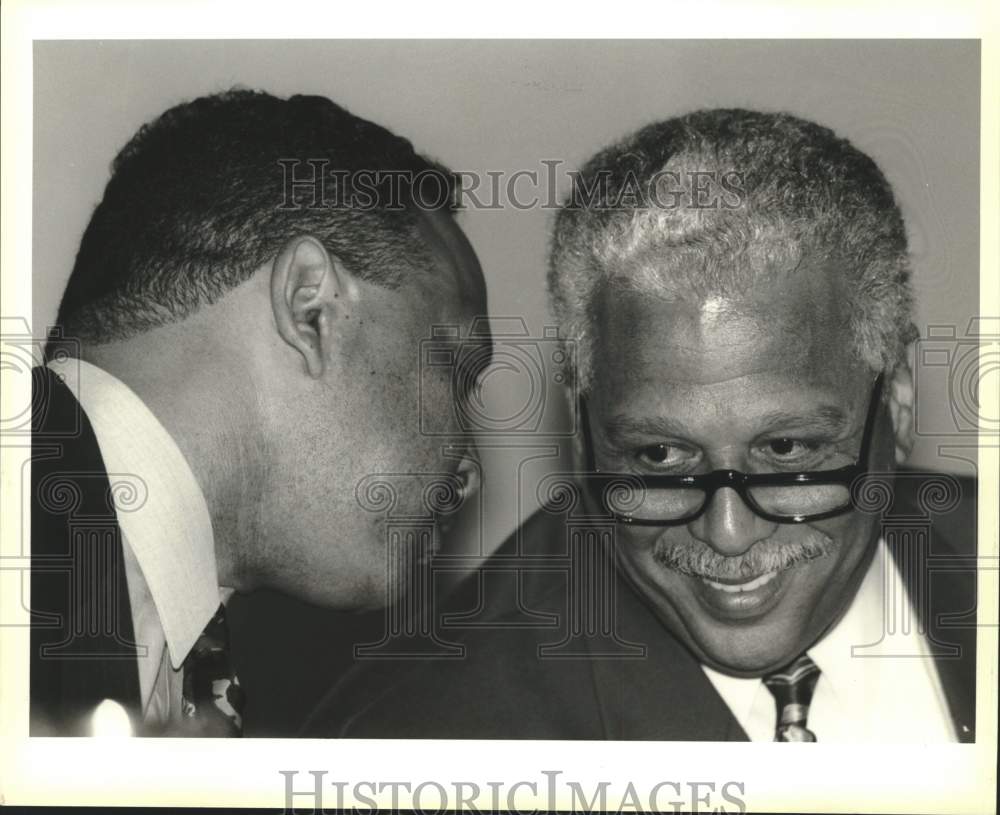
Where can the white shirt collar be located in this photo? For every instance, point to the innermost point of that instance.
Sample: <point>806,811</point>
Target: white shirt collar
<point>861,624</point>
<point>169,528</point>
<point>859,695</point>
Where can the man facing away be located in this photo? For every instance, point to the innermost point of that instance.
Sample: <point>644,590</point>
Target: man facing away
<point>739,555</point>
<point>236,354</point>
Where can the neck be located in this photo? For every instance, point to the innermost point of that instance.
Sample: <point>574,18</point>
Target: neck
<point>192,389</point>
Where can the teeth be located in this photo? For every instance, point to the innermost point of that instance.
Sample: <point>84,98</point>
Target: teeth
<point>756,583</point>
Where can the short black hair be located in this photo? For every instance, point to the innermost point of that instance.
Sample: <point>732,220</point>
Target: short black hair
<point>199,199</point>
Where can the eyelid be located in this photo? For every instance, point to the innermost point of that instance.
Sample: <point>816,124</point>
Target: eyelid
<point>688,454</point>
<point>814,439</point>
<point>809,444</point>
<point>808,450</point>
<point>805,440</point>
<point>669,444</point>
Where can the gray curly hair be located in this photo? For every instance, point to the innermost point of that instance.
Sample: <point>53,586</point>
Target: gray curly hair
<point>709,200</point>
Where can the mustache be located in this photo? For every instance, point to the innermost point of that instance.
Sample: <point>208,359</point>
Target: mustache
<point>767,555</point>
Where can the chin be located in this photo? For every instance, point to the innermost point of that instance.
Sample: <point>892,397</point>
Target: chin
<point>372,600</point>
<point>748,660</point>
<point>359,595</point>
<point>748,647</point>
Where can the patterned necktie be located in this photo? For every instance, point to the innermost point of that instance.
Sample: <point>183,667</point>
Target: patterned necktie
<point>212,700</point>
<point>792,689</point>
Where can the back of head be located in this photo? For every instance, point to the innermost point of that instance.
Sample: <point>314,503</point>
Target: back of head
<point>205,194</point>
<point>705,203</point>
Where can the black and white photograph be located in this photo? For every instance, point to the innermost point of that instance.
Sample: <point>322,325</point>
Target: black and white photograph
<point>466,424</point>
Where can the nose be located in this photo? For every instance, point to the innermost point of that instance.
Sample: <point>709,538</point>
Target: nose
<point>728,525</point>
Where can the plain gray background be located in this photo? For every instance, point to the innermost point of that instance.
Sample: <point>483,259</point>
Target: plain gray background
<point>507,105</point>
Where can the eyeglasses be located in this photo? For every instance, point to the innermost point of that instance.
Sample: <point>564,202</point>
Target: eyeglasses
<point>668,500</point>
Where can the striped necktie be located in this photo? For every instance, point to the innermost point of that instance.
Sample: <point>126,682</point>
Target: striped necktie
<point>792,689</point>
<point>212,700</point>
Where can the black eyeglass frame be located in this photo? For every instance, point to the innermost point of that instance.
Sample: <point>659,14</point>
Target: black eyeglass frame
<point>739,481</point>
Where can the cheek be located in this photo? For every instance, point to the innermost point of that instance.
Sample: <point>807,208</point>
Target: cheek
<point>413,414</point>
<point>636,542</point>
<point>854,539</point>
<point>851,534</point>
<point>634,547</point>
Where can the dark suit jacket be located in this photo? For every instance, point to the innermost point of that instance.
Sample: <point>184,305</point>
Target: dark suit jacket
<point>82,642</point>
<point>536,666</point>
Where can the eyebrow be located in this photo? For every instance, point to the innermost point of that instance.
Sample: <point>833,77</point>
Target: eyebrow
<point>825,418</point>
<point>831,418</point>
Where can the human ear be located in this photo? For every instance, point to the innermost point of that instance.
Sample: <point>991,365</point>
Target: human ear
<point>306,283</point>
<point>901,398</point>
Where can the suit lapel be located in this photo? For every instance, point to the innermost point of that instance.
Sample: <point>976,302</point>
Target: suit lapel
<point>958,678</point>
<point>951,624</point>
<point>942,507</point>
<point>82,638</point>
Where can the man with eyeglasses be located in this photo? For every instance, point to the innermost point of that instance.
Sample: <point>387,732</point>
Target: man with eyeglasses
<point>747,560</point>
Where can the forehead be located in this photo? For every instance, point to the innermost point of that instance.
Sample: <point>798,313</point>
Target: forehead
<point>789,327</point>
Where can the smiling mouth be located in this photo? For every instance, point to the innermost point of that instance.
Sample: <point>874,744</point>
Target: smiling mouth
<point>735,600</point>
<point>734,587</point>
